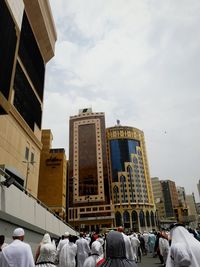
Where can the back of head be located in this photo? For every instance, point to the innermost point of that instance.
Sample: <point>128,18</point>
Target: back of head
<point>179,234</point>
<point>46,239</point>
<point>81,234</point>
<point>66,235</point>
<point>71,238</point>
<point>96,248</point>
<point>120,229</point>
<point>115,246</point>
<point>18,233</point>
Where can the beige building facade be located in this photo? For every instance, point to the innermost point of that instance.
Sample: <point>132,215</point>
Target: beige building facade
<point>27,43</point>
<point>131,188</point>
<point>158,198</point>
<point>52,176</point>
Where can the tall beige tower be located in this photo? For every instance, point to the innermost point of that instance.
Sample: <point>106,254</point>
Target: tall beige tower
<point>89,193</point>
<point>52,176</point>
<point>158,197</point>
<point>28,36</point>
<point>131,188</point>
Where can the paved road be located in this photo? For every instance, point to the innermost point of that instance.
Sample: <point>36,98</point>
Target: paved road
<point>149,261</point>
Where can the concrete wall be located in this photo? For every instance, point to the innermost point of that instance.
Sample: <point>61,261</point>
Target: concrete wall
<point>18,209</point>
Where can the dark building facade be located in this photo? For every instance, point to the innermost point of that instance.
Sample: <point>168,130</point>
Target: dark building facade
<point>89,194</point>
<point>170,197</point>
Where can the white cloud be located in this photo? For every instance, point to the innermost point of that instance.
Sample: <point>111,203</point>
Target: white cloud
<point>137,61</point>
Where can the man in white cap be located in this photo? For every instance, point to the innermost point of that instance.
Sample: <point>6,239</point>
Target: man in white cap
<point>62,242</point>
<point>18,253</point>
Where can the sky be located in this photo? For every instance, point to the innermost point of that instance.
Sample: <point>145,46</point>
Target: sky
<point>138,61</point>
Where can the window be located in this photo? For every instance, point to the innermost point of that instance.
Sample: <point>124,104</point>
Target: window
<point>32,158</point>
<point>26,153</point>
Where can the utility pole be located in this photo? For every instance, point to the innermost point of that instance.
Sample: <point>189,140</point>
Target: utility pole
<point>27,171</point>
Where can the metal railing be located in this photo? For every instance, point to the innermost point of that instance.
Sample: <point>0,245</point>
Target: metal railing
<point>9,180</point>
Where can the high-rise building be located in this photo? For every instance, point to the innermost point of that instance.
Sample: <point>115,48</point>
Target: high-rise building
<point>89,194</point>
<point>52,176</point>
<point>181,196</point>
<point>198,186</point>
<point>170,197</point>
<point>158,197</point>
<point>27,39</point>
<point>192,210</point>
<point>131,188</point>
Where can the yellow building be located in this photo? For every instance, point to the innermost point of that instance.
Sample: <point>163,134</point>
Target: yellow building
<point>131,188</point>
<point>27,43</point>
<point>52,176</point>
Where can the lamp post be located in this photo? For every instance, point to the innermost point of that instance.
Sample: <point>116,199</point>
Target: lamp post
<point>27,171</point>
<point>73,201</point>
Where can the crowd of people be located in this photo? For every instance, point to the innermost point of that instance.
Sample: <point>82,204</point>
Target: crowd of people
<point>176,248</point>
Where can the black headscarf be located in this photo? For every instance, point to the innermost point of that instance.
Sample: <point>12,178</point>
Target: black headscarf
<point>116,252</point>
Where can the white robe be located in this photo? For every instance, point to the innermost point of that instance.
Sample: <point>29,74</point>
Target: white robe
<point>17,254</point>
<point>184,250</point>
<point>48,255</point>
<point>96,255</point>
<point>135,243</point>
<point>83,250</point>
<point>164,247</point>
<point>129,250</point>
<point>67,255</point>
<point>61,244</point>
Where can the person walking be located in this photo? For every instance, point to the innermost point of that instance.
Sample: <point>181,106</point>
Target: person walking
<point>18,253</point>
<point>184,250</point>
<point>2,245</point>
<point>151,243</point>
<point>164,247</point>
<point>83,250</point>
<point>46,253</point>
<point>135,243</point>
<point>68,254</point>
<point>129,250</point>
<point>116,252</point>
<point>62,242</point>
<point>96,257</point>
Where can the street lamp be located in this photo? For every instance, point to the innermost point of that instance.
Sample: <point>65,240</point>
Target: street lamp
<point>27,171</point>
<point>73,200</point>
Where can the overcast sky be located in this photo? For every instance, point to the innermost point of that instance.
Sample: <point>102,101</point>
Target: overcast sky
<point>138,61</point>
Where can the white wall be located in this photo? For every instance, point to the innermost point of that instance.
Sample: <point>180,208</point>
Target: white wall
<point>20,210</point>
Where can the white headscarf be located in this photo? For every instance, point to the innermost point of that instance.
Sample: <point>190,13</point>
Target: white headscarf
<point>46,239</point>
<point>96,248</point>
<point>185,249</point>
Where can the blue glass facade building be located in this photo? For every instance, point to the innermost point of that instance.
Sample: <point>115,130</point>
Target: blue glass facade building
<point>129,176</point>
<point>121,151</point>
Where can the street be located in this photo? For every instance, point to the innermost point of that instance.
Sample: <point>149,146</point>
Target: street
<point>149,261</point>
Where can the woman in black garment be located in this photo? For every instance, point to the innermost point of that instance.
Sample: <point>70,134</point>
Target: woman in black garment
<point>115,252</point>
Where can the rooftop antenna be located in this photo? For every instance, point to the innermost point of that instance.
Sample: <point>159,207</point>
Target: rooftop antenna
<point>118,123</point>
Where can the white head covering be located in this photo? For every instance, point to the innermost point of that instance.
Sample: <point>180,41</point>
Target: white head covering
<point>18,232</point>
<point>184,247</point>
<point>66,234</point>
<point>46,239</point>
<point>96,248</point>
